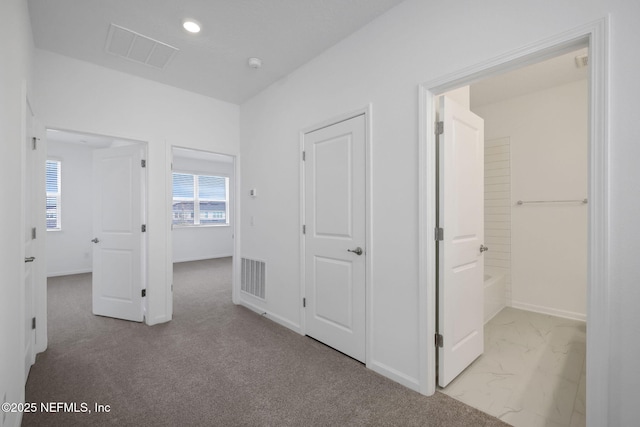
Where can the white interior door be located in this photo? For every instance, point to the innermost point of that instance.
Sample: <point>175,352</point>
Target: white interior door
<point>118,237</point>
<point>461,216</point>
<point>335,246</point>
<point>29,209</point>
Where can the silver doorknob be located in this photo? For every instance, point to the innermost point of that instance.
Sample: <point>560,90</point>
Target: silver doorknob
<point>30,259</point>
<point>357,251</point>
<point>483,248</point>
<point>95,240</point>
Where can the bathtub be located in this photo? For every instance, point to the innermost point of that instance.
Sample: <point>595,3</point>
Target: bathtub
<point>494,292</point>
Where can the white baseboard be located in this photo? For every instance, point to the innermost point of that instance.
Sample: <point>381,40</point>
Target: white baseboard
<point>69,272</point>
<point>551,311</point>
<point>269,315</point>
<point>395,375</point>
<point>200,258</point>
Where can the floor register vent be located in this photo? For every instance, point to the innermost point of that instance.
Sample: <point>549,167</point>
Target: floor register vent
<point>253,277</point>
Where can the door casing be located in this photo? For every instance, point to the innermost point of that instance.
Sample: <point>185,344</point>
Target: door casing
<point>366,111</point>
<point>596,36</point>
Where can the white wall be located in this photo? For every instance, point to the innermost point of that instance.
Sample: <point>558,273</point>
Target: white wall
<point>548,132</point>
<point>16,45</point>
<point>383,64</point>
<point>215,241</point>
<point>69,250</point>
<point>75,95</point>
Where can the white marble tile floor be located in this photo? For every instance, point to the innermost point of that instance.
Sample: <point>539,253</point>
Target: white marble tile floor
<point>532,372</point>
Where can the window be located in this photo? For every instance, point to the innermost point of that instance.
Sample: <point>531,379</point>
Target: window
<point>200,199</point>
<point>53,195</point>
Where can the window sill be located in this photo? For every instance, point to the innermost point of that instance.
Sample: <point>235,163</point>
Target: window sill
<point>54,229</point>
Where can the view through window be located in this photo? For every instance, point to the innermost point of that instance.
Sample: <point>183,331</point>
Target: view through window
<point>200,199</point>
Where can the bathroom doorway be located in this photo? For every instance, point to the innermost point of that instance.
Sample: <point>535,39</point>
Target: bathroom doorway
<point>533,367</point>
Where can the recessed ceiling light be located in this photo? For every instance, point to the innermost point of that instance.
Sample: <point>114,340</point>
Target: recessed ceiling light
<point>254,62</point>
<point>191,26</point>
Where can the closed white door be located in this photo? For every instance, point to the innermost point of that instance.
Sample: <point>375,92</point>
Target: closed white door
<point>461,263</point>
<point>335,246</point>
<point>29,208</point>
<point>118,236</point>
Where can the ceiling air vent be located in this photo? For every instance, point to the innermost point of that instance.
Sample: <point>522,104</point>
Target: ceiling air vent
<point>138,48</point>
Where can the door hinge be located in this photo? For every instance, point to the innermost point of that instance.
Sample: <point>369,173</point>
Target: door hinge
<point>439,340</point>
<point>144,293</point>
<point>34,143</point>
<point>304,229</point>
<point>439,128</point>
<point>304,156</point>
<point>304,302</point>
<point>33,323</point>
<point>143,163</point>
<point>33,233</point>
<point>439,234</point>
<point>144,228</point>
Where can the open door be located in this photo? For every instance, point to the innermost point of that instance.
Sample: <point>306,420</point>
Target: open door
<point>461,244</point>
<point>118,232</point>
<point>29,211</point>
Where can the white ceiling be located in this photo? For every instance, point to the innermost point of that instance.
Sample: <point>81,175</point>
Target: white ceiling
<point>542,75</point>
<point>283,33</point>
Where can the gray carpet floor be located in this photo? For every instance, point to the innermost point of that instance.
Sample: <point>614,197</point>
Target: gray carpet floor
<point>214,364</point>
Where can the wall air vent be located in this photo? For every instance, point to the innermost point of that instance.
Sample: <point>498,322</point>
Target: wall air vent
<point>582,61</point>
<point>138,48</point>
<point>252,277</point>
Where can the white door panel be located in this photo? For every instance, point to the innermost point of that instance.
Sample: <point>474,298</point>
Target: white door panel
<point>118,217</point>
<point>335,225</point>
<point>461,216</point>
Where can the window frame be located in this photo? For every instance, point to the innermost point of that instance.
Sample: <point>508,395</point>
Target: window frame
<point>196,199</point>
<point>57,195</point>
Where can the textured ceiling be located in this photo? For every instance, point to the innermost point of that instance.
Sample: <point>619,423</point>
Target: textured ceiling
<point>283,33</point>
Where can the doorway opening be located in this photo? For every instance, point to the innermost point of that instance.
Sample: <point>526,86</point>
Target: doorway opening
<point>202,228</point>
<point>96,222</point>
<point>535,230</point>
<point>593,35</point>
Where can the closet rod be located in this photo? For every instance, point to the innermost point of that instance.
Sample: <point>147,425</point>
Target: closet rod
<point>524,202</point>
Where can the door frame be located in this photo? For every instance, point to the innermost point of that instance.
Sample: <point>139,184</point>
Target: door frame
<point>234,192</point>
<point>596,36</point>
<point>43,294</point>
<point>367,112</point>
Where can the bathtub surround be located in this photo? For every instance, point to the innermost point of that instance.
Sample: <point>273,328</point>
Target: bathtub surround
<point>497,221</point>
<point>548,241</point>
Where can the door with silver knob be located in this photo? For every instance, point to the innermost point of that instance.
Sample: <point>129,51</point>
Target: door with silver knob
<point>483,248</point>
<point>334,238</point>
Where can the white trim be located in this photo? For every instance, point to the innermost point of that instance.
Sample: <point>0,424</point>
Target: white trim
<point>70,272</point>
<point>596,34</point>
<point>202,258</point>
<point>394,374</point>
<point>367,112</point>
<point>272,316</point>
<point>550,311</point>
